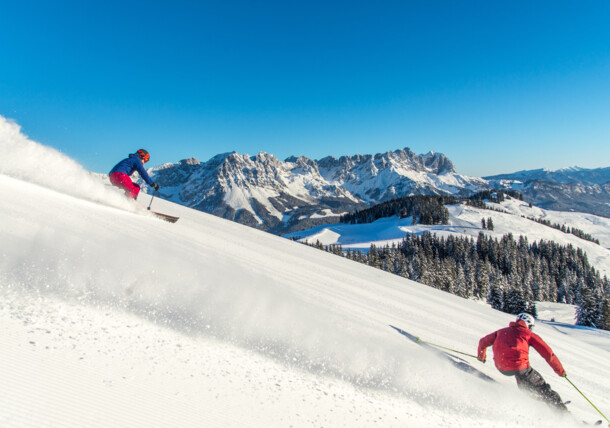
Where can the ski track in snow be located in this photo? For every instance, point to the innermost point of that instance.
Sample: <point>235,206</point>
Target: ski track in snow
<point>113,318</point>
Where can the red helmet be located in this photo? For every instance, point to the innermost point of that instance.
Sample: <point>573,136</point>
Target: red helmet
<point>143,155</point>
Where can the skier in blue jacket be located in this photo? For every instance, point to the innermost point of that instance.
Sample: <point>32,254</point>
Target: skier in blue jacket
<point>120,174</point>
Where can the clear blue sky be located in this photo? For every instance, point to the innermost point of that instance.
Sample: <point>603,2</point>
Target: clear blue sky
<point>497,86</point>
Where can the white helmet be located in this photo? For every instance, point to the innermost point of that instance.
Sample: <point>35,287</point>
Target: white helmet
<point>529,320</point>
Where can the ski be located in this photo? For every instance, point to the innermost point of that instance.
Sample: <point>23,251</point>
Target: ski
<point>166,217</point>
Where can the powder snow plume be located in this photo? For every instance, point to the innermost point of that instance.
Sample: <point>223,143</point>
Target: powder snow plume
<point>36,163</point>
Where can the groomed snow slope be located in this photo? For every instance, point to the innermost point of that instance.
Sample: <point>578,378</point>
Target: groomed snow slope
<point>115,318</point>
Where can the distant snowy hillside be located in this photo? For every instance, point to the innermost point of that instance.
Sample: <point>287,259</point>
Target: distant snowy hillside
<point>575,174</point>
<point>111,317</point>
<point>568,189</point>
<point>466,220</point>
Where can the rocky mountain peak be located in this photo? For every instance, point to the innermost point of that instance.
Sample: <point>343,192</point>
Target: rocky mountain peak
<point>265,192</point>
<point>438,162</point>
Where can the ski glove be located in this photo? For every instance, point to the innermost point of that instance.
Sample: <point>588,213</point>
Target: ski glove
<point>155,186</point>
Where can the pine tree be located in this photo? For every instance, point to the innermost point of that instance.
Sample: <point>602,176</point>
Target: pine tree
<point>587,312</point>
<point>470,278</point>
<point>482,279</point>
<point>532,310</point>
<point>495,297</point>
<point>603,317</point>
<point>514,303</point>
<point>490,224</point>
<point>373,257</point>
<point>460,287</point>
<point>538,291</point>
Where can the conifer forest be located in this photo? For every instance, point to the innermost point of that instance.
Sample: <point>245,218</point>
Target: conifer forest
<point>510,273</point>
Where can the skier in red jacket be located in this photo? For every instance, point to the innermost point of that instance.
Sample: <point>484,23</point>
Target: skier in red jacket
<point>511,356</point>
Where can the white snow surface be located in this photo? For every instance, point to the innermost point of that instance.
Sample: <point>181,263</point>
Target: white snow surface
<point>112,317</point>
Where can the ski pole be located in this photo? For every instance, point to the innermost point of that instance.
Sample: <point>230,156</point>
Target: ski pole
<point>417,339</point>
<point>151,199</point>
<point>598,411</point>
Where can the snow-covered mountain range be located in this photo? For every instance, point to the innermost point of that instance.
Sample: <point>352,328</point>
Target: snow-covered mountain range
<point>280,196</point>
<point>567,189</point>
<point>299,193</point>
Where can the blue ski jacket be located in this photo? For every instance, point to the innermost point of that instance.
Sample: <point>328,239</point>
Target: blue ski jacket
<point>131,164</point>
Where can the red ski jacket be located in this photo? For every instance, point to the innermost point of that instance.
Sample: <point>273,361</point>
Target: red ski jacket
<point>511,348</point>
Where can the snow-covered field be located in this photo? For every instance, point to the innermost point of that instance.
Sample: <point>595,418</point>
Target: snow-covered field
<point>466,221</point>
<point>111,317</point>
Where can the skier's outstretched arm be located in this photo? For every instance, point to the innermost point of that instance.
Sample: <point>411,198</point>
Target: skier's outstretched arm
<point>546,352</point>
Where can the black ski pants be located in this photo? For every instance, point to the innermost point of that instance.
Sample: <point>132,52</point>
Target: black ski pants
<point>531,381</point>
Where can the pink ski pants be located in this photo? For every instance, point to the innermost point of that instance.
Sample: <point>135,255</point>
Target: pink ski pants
<point>123,181</point>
